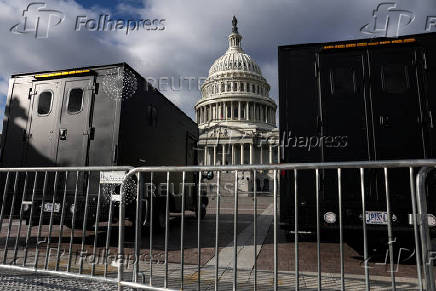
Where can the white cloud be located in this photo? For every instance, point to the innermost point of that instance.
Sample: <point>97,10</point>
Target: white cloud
<point>195,35</point>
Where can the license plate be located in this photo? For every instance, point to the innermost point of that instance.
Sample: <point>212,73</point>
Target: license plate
<point>376,217</point>
<point>48,207</point>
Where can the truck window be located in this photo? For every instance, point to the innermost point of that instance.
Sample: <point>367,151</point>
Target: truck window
<point>395,78</point>
<point>342,81</point>
<point>44,103</point>
<point>75,101</point>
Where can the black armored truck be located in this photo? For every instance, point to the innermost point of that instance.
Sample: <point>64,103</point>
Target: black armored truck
<point>93,116</point>
<point>359,100</point>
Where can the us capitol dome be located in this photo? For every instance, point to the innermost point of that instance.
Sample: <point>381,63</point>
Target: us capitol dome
<point>235,115</point>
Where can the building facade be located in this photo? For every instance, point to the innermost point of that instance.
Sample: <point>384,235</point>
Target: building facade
<point>235,115</point>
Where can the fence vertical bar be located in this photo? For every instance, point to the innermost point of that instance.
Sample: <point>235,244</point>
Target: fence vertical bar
<point>318,231</point>
<point>235,234</point>
<point>182,231</point>
<point>390,238</point>
<point>73,222</point>
<point>426,244</point>
<point>151,228</point>
<point>198,232</point>
<point>415,227</point>
<point>297,259</point>
<point>341,235</point>
<point>365,241</point>
<point>61,224</point>
<point>85,222</point>
<point>167,209</point>
<point>217,217</point>
<point>29,228</point>
<point>50,227</point>
<point>255,228</point>
<point>21,219</point>
<point>121,234</point>
<point>108,236</point>
<point>11,214</point>
<point>275,233</point>
<point>97,220</point>
<point>41,216</point>
<point>138,224</point>
<point>5,193</point>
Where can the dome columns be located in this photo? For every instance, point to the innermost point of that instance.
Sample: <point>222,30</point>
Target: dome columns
<point>236,110</point>
<point>240,153</point>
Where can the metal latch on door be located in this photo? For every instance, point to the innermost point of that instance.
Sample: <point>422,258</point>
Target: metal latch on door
<point>63,134</point>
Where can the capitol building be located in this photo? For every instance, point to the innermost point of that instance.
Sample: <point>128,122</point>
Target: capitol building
<point>235,115</point>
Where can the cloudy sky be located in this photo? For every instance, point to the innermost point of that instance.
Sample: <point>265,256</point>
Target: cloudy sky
<point>195,35</point>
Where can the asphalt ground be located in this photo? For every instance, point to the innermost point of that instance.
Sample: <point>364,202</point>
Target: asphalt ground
<point>379,268</point>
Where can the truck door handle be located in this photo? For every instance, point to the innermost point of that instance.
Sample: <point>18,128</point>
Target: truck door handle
<point>63,134</point>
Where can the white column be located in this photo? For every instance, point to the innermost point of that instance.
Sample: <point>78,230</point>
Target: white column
<point>231,110</point>
<point>210,112</point>
<point>239,110</point>
<point>214,155</point>
<point>223,154</point>
<point>251,153</point>
<point>205,156</point>
<point>278,153</point>
<point>261,153</point>
<point>242,153</point>
<point>247,110</point>
<point>233,154</point>
<point>201,115</point>
<point>270,154</point>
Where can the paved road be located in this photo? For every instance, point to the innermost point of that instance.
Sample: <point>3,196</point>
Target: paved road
<point>380,276</point>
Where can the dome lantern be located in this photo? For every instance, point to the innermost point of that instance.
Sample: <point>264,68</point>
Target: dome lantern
<point>235,38</point>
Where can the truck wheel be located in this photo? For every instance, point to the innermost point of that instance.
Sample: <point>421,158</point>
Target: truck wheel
<point>202,212</point>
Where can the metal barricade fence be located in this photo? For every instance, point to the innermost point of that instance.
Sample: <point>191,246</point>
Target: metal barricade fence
<point>174,274</point>
<point>38,203</point>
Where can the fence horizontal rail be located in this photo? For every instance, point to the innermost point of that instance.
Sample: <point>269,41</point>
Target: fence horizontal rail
<point>292,166</point>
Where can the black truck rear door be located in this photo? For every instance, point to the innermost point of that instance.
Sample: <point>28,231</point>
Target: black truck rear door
<point>343,113</point>
<point>397,118</point>
<point>42,124</point>
<point>396,105</point>
<point>74,128</point>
